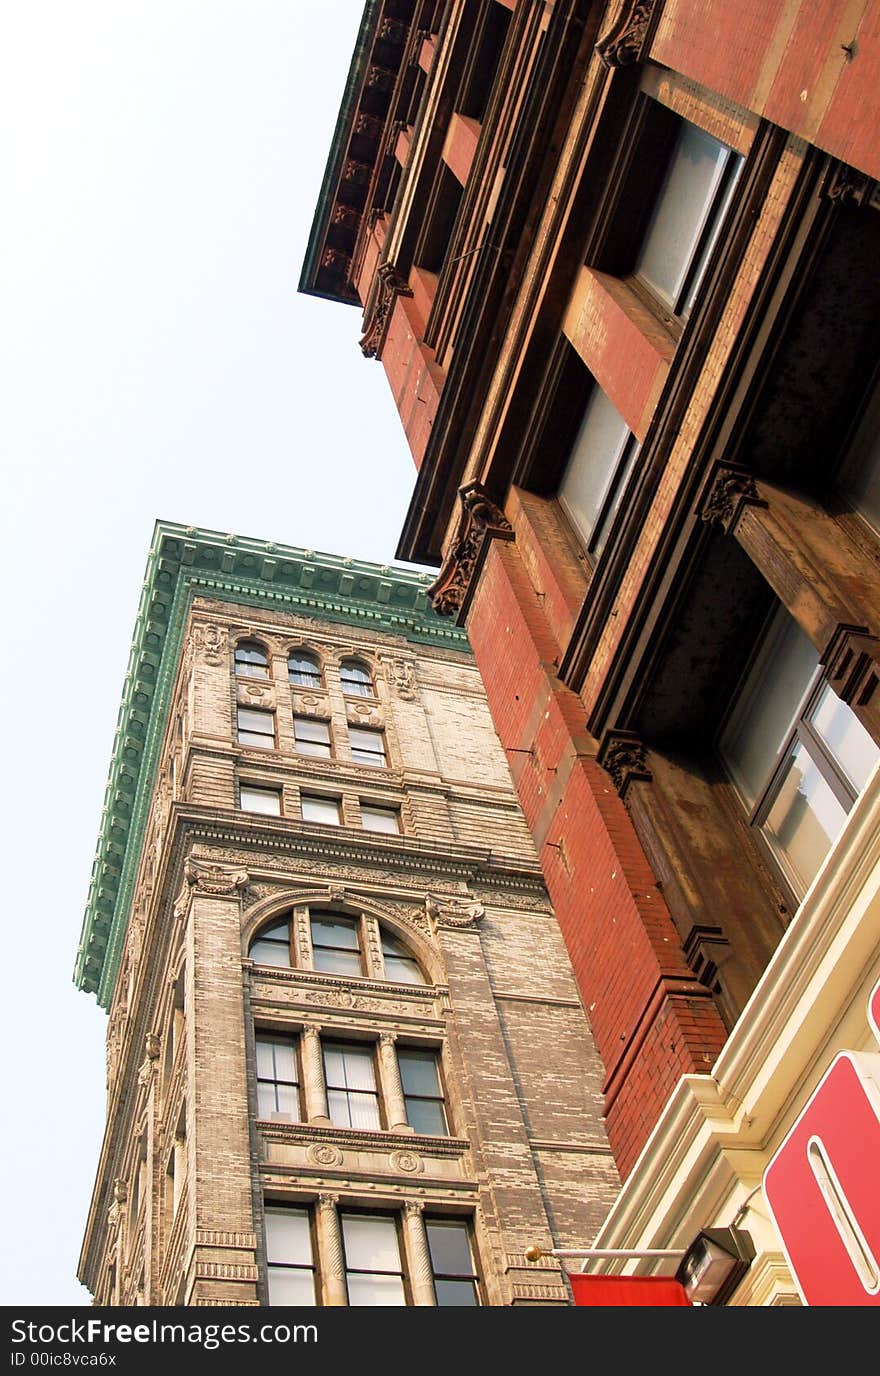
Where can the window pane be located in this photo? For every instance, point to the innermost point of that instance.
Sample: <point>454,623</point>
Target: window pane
<point>337,962</point>
<point>265,1060</point>
<point>304,669</point>
<point>400,971</point>
<point>426,1116</point>
<point>363,1110</point>
<point>284,1055</point>
<point>355,679</point>
<point>449,1246</point>
<point>287,1102</point>
<point>335,932</point>
<point>370,1242</point>
<point>680,214</point>
<point>380,819</point>
<point>251,661</point>
<point>291,1287</point>
<point>367,747</point>
<point>312,737</point>
<point>288,1238</point>
<point>324,810</point>
<point>804,820</point>
<point>455,1293</point>
<point>768,704</point>
<point>270,952</point>
<point>418,1072</point>
<point>846,738</point>
<point>265,800</point>
<point>259,727</point>
<point>597,449</point>
<point>358,1067</point>
<point>375,1290</point>
<point>265,1099</point>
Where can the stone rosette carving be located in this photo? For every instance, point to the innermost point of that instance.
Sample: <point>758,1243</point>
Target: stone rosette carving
<point>409,1162</point>
<point>453,911</point>
<point>627,42</point>
<point>324,1154</point>
<point>219,880</point>
<point>377,317</point>
<point>481,521</point>
<point>730,490</point>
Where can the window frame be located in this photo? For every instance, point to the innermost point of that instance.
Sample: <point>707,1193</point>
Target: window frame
<point>265,1037</point>
<point>367,1051</point>
<point>276,920</point>
<point>266,790</point>
<point>448,1221</point>
<point>314,680</point>
<point>250,668</point>
<point>276,1207</point>
<point>298,718</point>
<point>339,919</point>
<point>434,1056</point>
<point>392,1217</point>
<point>375,809</point>
<point>618,469</point>
<point>262,712</point>
<point>381,756</point>
<point>366,688</point>
<point>306,799</point>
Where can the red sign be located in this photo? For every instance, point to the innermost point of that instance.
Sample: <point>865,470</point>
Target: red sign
<point>628,1290</point>
<point>821,1185</point>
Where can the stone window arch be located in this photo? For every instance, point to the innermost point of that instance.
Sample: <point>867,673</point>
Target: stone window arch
<point>251,659</point>
<point>356,678</point>
<point>304,669</point>
<point>334,939</point>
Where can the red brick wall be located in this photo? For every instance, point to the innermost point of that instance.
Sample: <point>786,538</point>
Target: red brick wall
<point>652,1022</point>
<point>415,379</point>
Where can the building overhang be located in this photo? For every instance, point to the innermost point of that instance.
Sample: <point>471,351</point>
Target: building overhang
<point>184,563</point>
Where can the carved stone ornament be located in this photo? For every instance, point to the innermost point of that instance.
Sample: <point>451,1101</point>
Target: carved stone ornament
<point>731,489</point>
<point>407,1161</point>
<point>212,642</point>
<point>377,317</point>
<point>151,1046</point>
<point>324,1154</point>
<point>627,41</point>
<point>623,755</point>
<point>454,912</point>
<point>214,879</point>
<point>480,522</point>
<point>401,675</point>
<point>845,185</point>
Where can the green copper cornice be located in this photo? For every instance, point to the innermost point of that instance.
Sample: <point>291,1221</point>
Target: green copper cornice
<point>184,563</point>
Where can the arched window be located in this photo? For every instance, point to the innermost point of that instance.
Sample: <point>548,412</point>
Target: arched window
<point>251,660</point>
<point>356,678</point>
<point>303,669</point>
<point>401,965</point>
<point>271,945</point>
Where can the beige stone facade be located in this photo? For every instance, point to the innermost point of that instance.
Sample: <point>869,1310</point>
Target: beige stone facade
<point>462,970</point>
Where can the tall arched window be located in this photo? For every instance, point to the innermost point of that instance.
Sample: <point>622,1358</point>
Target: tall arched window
<point>251,660</point>
<point>303,669</point>
<point>356,678</point>
<point>271,945</point>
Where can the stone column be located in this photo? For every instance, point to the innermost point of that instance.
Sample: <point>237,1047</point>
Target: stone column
<point>314,1087</point>
<point>330,1251</point>
<point>421,1273</point>
<point>392,1089</point>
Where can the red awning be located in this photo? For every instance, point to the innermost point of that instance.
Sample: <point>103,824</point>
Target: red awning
<point>608,1290</point>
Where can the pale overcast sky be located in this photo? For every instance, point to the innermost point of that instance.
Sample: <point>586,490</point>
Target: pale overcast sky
<point>159,165</point>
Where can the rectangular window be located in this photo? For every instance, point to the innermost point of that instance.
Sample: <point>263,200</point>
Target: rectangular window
<point>256,727</point>
<point>385,819</point>
<point>602,458</point>
<point>265,800</point>
<point>455,1277</point>
<point>311,737</point>
<point>367,747</point>
<point>798,754</point>
<point>687,216</point>
<point>422,1094</point>
<point>277,1078</point>
<point>336,946</point>
<point>315,809</point>
<point>352,1096</point>
<point>289,1256</point>
<point>373,1270</point>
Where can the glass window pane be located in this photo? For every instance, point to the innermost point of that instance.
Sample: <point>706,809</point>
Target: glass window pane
<point>250,719</point>
<point>859,477</point>
<point>370,1242</point>
<point>309,729</point>
<point>400,971</point>
<point>265,1059</point>
<point>848,741</point>
<point>380,819</point>
<point>251,661</point>
<point>367,747</point>
<point>288,1238</point>
<point>363,1111</point>
<point>804,820</point>
<point>418,1072</point>
<point>304,669</point>
<point>455,1293</point>
<point>358,1065</point>
<point>284,1054</point>
<point>449,1246</point>
<point>591,467</point>
<point>335,932</point>
<point>287,1102</point>
<point>324,810</point>
<point>375,1290</point>
<point>264,800</point>
<point>270,952</point>
<point>768,704</point>
<point>265,1099</point>
<point>426,1116</point>
<point>337,962</point>
<point>680,213</point>
<point>355,679</point>
<point>338,1107</point>
<point>291,1287</point>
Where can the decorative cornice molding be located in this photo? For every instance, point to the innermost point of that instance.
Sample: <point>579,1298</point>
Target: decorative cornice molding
<point>377,317</point>
<point>627,42</point>
<point>480,522</point>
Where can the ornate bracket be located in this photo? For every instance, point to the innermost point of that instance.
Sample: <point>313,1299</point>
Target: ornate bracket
<point>454,912</point>
<point>852,664</point>
<point>221,880</point>
<point>730,490</point>
<point>377,317</point>
<point>481,522</point>
<point>627,41</point>
<point>622,753</point>
<point>845,185</point>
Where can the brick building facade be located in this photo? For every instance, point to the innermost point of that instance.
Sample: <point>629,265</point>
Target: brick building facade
<point>619,264</point>
<point>347,1060</point>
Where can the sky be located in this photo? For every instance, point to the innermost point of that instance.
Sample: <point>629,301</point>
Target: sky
<point>159,168</point>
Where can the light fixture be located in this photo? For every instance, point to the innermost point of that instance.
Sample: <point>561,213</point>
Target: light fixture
<point>714,1264</point>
